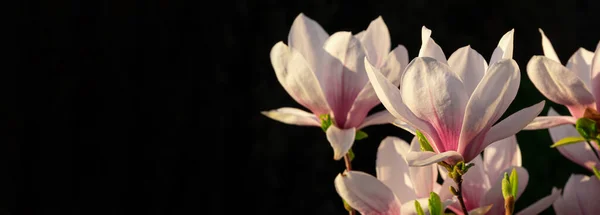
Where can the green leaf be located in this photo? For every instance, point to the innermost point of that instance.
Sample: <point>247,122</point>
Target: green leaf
<point>514,182</point>
<point>587,128</point>
<point>435,204</point>
<point>360,135</point>
<point>425,146</point>
<point>567,141</point>
<point>596,172</point>
<point>506,189</point>
<point>347,206</point>
<point>418,208</point>
<point>325,121</point>
<point>351,154</point>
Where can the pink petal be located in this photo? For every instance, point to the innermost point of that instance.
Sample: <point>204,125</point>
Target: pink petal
<point>307,37</point>
<point>403,125</point>
<point>559,84</point>
<point>341,140</point>
<point>580,196</point>
<point>390,97</point>
<point>547,47</point>
<point>475,184</point>
<point>488,102</point>
<point>393,67</point>
<point>512,124</point>
<point>435,94</point>
<point>292,116</point>
<point>297,79</point>
<point>429,48</point>
<point>392,169</point>
<point>580,153</point>
<point>543,122</point>
<point>596,76</point>
<point>541,205</point>
<point>366,194</point>
<point>501,155</point>
<point>494,195</point>
<point>423,179</point>
<point>381,117</point>
<point>347,77</point>
<point>504,49</point>
<point>376,41</point>
<point>581,64</point>
<point>470,67</point>
<point>417,158</point>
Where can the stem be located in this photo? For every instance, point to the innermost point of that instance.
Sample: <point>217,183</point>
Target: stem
<point>593,149</point>
<point>458,181</point>
<point>349,168</point>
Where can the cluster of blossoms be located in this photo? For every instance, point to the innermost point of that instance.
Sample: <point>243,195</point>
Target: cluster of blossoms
<point>453,107</point>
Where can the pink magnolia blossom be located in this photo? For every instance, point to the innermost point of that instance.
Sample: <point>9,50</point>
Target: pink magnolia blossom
<point>455,103</point>
<point>580,196</point>
<point>482,184</point>
<point>579,153</point>
<point>576,86</point>
<point>326,75</point>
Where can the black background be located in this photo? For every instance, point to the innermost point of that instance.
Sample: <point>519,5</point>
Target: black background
<point>146,107</point>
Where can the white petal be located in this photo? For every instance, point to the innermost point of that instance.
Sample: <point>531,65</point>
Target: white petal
<point>424,179</point>
<point>505,48</point>
<point>435,94</point>
<point>376,41</point>
<point>392,169</point>
<point>475,183</point>
<point>341,140</point>
<point>429,48</point>
<point>366,194</point>
<point>381,117</point>
<point>488,102</point>
<point>512,124</point>
<point>558,83</point>
<point>501,155</point>
<point>403,125</point>
<point>543,122</point>
<point>581,64</point>
<point>417,158</point>
<point>547,47</point>
<point>580,153</point>
<point>297,79</point>
<point>541,205</point>
<point>596,76</point>
<point>307,37</point>
<point>470,67</point>
<point>581,195</point>
<point>292,116</point>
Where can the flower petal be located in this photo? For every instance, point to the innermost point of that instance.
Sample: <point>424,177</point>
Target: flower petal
<point>475,184</point>
<point>501,155</point>
<point>381,117</point>
<point>505,48</point>
<point>417,158</point>
<point>341,140</point>
<point>488,102</point>
<point>341,89</point>
<point>429,48</point>
<point>307,37</point>
<point>423,179</point>
<point>543,122</point>
<point>390,97</point>
<point>580,196</point>
<point>376,41</point>
<point>403,125</point>
<point>470,67</point>
<point>392,69</point>
<point>392,169</point>
<point>511,125</point>
<point>541,205</point>
<point>581,64</point>
<point>547,47</point>
<point>366,194</point>
<point>481,210</point>
<point>596,76</point>
<point>558,83</point>
<point>292,116</point>
<point>580,153</point>
<point>297,79</point>
<point>435,94</point>
<point>494,195</point>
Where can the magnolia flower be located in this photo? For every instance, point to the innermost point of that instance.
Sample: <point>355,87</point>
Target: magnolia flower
<point>326,75</point>
<point>482,184</point>
<point>580,196</point>
<point>576,86</point>
<point>455,103</point>
<point>396,187</point>
<point>581,154</point>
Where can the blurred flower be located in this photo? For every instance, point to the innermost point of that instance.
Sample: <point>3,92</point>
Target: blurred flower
<point>455,103</point>
<point>580,196</point>
<point>326,75</point>
<point>576,86</point>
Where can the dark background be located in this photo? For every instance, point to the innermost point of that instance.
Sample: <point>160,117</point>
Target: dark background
<point>145,107</point>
